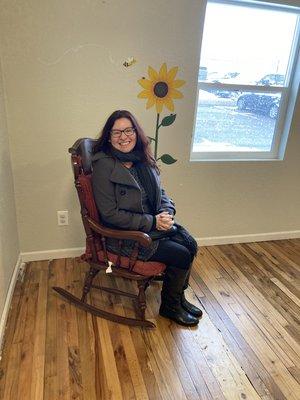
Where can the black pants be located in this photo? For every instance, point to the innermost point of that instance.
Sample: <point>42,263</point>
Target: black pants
<point>172,254</point>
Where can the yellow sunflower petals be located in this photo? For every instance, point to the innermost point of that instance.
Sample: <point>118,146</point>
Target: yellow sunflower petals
<point>145,94</point>
<point>178,83</point>
<point>145,83</point>
<point>175,94</point>
<point>159,106</point>
<point>150,102</point>
<point>163,72</point>
<point>169,104</point>
<point>153,75</point>
<point>171,74</point>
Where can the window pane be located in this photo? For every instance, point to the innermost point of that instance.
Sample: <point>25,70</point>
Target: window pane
<point>235,121</point>
<point>245,45</point>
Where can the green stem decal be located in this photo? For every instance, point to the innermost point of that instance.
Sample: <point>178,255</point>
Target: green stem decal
<point>166,121</point>
<point>156,136</point>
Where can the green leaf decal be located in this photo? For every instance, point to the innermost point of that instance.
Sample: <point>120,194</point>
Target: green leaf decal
<point>151,139</point>
<point>167,159</point>
<point>168,120</point>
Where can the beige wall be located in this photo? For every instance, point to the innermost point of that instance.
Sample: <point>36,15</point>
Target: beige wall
<point>64,75</point>
<point>9,241</point>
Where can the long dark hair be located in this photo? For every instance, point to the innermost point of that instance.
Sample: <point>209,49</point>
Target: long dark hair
<point>142,142</point>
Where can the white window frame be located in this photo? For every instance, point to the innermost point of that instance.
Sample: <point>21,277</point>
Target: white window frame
<point>289,93</point>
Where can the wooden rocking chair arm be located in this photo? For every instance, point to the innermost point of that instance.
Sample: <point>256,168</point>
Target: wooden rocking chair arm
<point>137,236</point>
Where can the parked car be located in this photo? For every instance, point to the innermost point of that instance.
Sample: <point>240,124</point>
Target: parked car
<point>246,79</point>
<point>272,80</point>
<point>262,103</point>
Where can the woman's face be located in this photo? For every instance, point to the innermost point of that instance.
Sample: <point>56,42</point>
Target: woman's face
<point>123,135</point>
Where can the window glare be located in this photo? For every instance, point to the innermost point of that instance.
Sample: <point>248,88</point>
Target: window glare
<point>238,38</point>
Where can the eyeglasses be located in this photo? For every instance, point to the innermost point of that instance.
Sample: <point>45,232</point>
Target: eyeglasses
<point>118,132</point>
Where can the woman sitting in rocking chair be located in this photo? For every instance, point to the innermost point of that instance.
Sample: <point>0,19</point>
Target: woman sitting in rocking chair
<point>128,195</point>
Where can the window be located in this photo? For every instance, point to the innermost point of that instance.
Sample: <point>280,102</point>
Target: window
<point>248,81</point>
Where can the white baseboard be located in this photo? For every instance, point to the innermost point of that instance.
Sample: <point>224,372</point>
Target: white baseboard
<point>8,299</point>
<point>255,237</point>
<point>52,254</point>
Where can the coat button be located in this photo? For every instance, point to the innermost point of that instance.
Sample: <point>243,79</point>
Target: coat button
<point>122,192</point>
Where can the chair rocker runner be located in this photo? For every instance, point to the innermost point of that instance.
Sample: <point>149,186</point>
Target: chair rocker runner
<point>96,254</point>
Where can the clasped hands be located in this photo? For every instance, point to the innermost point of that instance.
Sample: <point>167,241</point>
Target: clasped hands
<point>164,221</point>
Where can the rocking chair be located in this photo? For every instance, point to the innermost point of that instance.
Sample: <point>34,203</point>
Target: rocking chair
<point>97,255</point>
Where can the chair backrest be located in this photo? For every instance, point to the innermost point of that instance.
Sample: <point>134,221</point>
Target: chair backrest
<point>81,159</point>
<point>82,149</point>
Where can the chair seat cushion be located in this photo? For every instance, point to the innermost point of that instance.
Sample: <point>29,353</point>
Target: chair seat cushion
<point>146,268</point>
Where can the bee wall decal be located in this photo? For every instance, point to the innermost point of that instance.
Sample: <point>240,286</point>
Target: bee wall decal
<point>129,62</point>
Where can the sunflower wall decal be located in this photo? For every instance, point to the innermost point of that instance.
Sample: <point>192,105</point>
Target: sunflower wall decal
<point>160,90</point>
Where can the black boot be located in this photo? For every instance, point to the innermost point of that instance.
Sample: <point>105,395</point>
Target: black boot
<point>189,307</point>
<point>171,298</point>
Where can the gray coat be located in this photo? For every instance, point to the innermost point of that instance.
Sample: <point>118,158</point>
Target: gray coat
<point>119,201</point>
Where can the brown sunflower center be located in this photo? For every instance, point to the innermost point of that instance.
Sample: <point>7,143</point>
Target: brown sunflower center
<point>161,89</point>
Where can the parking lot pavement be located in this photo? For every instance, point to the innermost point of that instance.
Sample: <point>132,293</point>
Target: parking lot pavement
<point>221,123</point>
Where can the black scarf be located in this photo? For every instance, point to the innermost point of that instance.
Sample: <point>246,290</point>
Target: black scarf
<point>150,184</point>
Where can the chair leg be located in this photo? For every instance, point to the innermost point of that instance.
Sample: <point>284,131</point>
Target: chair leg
<point>89,277</point>
<point>141,297</point>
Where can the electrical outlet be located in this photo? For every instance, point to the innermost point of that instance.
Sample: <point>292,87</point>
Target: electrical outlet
<point>62,218</point>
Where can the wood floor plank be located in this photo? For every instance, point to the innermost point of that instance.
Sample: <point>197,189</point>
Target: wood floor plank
<point>282,287</point>
<point>63,376</point>
<point>149,379</point>
<point>109,360</point>
<point>138,383</point>
<point>93,384</point>
<point>283,251</point>
<point>122,365</point>
<point>9,333</point>
<point>73,283</point>
<point>284,267</point>
<point>290,247</point>
<point>295,243</point>
<point>119,340</point>
<point>28,343</point>
<point>38,365</point>
<point>50,377</point>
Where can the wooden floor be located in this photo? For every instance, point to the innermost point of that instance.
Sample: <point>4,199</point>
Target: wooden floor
<point>245,347</point>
